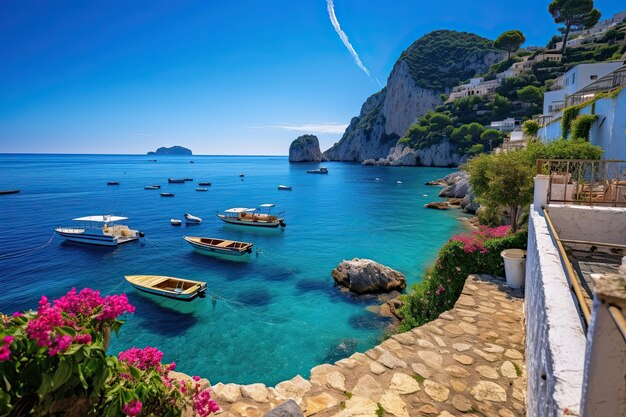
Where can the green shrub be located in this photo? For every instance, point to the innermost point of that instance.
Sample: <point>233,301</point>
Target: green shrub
<point>478,252</point>
<point>569,114</point>
<point>581,126</point>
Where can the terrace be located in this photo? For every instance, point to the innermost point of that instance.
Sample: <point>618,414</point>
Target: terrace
<point>576,289</point>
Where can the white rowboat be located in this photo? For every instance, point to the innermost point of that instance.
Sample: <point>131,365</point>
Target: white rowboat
<point>170,287</point>
<point>211,246</point>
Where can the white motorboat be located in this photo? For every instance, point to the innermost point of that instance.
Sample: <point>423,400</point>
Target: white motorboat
<point>176,222</point>
<point>285,187</point>
<point>321,170</point>
<point>202,189</point>
<point>254,216</point>
<point>100,230</point>
<point>191,219</point>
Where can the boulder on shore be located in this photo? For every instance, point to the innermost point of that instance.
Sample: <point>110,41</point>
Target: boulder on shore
<point>305,148</point>
<point>364,276</point>
<point>439,205</point>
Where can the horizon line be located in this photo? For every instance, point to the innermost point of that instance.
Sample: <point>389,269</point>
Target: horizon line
<point>134,154</point>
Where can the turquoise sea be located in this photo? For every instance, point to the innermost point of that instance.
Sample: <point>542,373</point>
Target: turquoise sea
<point>278,312</point>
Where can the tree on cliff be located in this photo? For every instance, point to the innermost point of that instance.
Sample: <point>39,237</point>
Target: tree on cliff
<point>573,14</point>
<point>510,41</point>
<point>503,180</point>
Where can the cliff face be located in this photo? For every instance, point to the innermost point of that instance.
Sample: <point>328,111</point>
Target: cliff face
<point>439,155</point>
<point>305,148</point>
<point>431,66</point>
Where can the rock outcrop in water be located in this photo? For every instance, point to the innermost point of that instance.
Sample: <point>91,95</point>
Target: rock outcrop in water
<point>437,155</point>
<point>431,66</point>
<point>364,276</point>
<point>305,148</point>
<point>174,150</point>
<point>456,186</point>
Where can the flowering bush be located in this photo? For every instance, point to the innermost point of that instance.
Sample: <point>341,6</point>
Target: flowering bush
<point>55,358</point>
<point>475,252</point>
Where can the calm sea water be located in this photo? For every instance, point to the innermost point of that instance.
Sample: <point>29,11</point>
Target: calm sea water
<point>278,313</point>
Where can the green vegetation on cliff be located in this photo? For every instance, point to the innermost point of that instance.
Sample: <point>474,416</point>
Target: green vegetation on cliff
<point>441,59</point>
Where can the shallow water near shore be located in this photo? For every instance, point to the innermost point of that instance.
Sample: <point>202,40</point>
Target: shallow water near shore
<point>276,313</point>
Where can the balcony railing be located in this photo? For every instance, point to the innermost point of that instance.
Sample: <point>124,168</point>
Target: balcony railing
<point>586,182</point>
<point>605,84</point>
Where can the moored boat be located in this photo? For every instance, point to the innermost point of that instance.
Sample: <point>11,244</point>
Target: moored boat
<point>176,222</point>
<point>211,246</point>
<point>285,187</point>
<point>204,184</point>
<point>151,187</point>
<point>167,194</point>
<point>113,183</point>
<point>176,181</point>
<point>202,189</point>
<point>101,230</point>
<point>9,191</point>
<point>321,170</point>
<point>191,219</point>
<point>170,287</point>
<point>253,216</point>
<point>187,179</point>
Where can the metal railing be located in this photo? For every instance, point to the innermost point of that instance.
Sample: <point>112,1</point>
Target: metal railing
<point>586,182</point>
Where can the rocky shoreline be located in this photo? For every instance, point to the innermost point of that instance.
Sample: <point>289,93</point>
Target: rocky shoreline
<point>457,191</point>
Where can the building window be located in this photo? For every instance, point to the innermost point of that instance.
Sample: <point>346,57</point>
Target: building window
<point>593,77</point>
<point>573,78</point>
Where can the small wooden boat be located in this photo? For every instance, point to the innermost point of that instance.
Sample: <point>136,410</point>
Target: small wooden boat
<point>9,191</point>
<point>285,187</point>
<point>253,216</point>
<point>170,287</point>
<point>322,170</point>
<point>202,189</point>
<point>176,222</point>
<point>211,246</point>
<point>191,219</point>
<point>151,187</point>
<point>113,183</point>
<point>167,194</point>
<point>204,184</point>
<point>175,181</point>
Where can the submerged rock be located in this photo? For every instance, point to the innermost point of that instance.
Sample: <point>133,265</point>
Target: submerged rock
<point>340,349</point>
<point>364,276</point>
<point>305,148</point>
<point>439,205</point>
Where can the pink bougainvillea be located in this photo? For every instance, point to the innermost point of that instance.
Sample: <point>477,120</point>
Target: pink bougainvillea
<point>474,241</point>
<point>143,359</point>
<point>5,352</point>
<point>203,404</point>
<point>132,408</point>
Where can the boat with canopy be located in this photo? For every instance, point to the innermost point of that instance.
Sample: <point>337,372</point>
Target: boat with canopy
<point>260,217</point>
<point>100,230</point>
<point>212,246</point>
<point>170,287</point>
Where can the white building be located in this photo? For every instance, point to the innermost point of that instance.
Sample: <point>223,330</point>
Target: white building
<point>580,37</point>
<point>507,125</point>
<point>574,80</point>
<point>475,87</point>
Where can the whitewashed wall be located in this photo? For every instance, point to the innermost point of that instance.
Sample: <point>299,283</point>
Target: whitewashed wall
<point>590,223</point>
<point>609,131</point>
<point>551,131</point>
<point>555,341</point>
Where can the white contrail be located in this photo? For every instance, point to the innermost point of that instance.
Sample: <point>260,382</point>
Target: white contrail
<point>342,35</point>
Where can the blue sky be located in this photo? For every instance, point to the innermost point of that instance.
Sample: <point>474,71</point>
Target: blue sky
<point>220,77</point>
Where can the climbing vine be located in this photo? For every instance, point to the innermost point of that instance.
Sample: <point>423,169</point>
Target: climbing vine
<point>581,126</point>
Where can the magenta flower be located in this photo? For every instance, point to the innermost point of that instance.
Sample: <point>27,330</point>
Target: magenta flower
<point>5,352</point>
<point>171,366</point>
<point>83,339</point>
<point>143,359</point>
<point>203,404</point>
<point>114,306</point>
<point>132,408</point>
<point>195,378</point>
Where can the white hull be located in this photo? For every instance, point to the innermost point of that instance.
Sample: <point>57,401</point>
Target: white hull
<point>248,223</point>
<point>92,239</point>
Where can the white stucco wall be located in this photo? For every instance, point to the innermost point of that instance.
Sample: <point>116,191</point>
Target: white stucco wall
<point>590,223</point>
<point>551,131</point>
<point>609,131</point>
<point>555,341</point>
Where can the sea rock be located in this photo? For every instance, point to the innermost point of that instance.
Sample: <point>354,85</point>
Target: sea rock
<point>174,150</point>
<point>286,409</point>
<point>305,148</point>
<point>227,392</point>
<point>458,186</point>
<point>258,392</point>
<point>437,155</point>
<point>364,276</point>
<point>469,203</point>
<point>438,205</point>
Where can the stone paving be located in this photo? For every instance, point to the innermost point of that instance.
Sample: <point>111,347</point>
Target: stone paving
<point>468,362</point>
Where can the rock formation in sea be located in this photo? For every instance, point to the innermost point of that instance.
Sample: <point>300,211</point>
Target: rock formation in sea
<point>305,148</point>
<point>456,187</point>
<point>432,65</point>
<point>174,150</point>
<point>364,276</point>
<point>437,155</point>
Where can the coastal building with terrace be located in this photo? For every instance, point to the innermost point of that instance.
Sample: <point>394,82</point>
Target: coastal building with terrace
<point>575,291</point>
<point>578,38</point>
<point>507,125</point>
<point>476,87</point>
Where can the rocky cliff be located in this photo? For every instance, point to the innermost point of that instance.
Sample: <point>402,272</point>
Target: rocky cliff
<point>438,155</point>
<point>431,66</point>
<point>305,148</point>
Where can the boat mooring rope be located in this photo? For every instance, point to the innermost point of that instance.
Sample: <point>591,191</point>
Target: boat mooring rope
<point>28,251</point>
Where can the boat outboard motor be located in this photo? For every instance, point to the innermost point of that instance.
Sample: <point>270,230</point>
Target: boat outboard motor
<point>141,234</point>
<point>282,223</point>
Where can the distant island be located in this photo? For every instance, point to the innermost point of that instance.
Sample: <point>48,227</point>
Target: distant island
<point>174,150</point>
